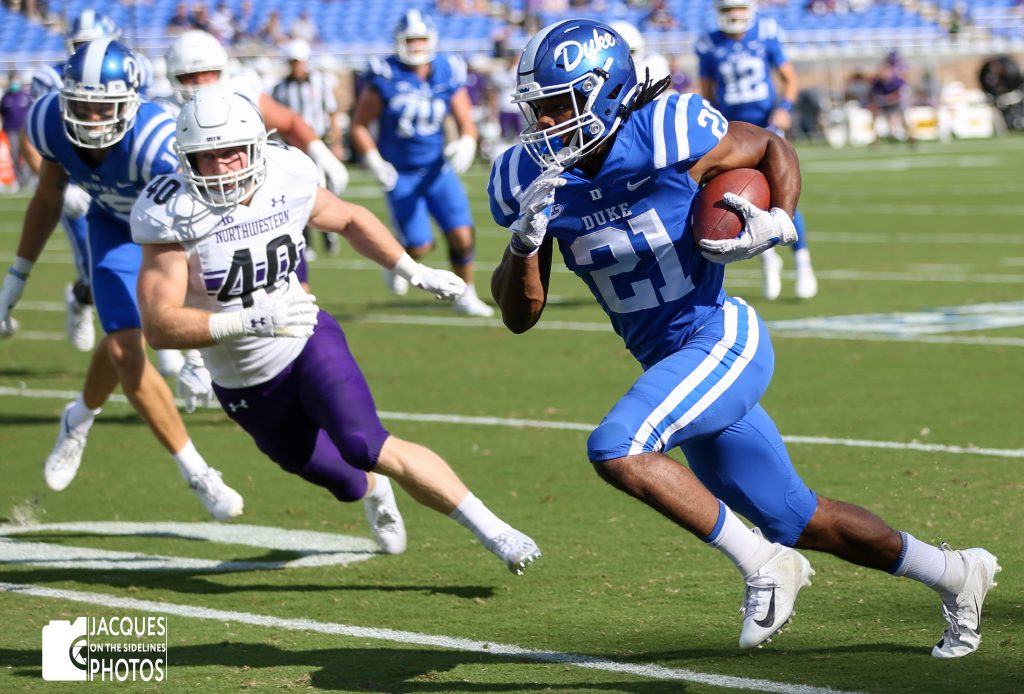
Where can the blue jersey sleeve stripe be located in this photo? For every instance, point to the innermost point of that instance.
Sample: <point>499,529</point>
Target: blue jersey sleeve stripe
<point>658,130</point>
<point>162,140</point>
<point>144,139</point>
<point>683,126</point>
<point>37,122</point>
<point>498,185</point>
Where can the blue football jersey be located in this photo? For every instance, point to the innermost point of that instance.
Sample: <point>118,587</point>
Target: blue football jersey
<point>411,134</point>
<point>742,70</point>
<point>626,232</point>
<point>146,151</point>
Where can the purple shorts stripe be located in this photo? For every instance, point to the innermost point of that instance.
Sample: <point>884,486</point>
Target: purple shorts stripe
<point>317,418</point>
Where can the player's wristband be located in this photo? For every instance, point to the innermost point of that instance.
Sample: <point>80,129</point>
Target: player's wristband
<point>226,326</point>
<point>786,105</point>
<point>406,267</point>
<point>21,268</point>
<point>520,249</point>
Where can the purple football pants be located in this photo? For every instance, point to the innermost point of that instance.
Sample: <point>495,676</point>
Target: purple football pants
<point>317,418</point>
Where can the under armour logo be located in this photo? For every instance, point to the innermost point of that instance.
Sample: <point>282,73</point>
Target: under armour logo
<point>274,202</point>
<point>240,405</point>
<point>257,322</point>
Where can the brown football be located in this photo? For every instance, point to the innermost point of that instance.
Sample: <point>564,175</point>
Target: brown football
<point>712,218</point>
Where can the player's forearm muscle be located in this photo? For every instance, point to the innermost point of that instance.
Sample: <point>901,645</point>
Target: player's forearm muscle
<point>43,211</point>
<point>365,233</point>
<point>520,287</point>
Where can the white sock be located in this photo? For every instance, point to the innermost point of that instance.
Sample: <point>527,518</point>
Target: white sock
<point>381,486</point>
<point>470,292</point>
<point>480,520</point>
<point>802,259</point>
<point>190,463</point>
<point>81,417</point>
<point>927,564</point>
<point>745,548</point>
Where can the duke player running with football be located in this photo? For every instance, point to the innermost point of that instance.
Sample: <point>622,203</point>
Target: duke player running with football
<point>220,245</point>
<point>99,134</point>
<point>736,64</point>
<point>608,171</point>
<point>408,95</point>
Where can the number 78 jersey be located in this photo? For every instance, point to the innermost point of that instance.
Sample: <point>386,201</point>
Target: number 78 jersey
<point>237,257</point>
<point>626,231</point>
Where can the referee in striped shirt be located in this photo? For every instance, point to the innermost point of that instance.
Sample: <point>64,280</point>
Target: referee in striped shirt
<point>310,93</point>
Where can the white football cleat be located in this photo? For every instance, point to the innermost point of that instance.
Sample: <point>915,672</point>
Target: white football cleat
<point>514,548</point>
<point>169,362</point>
<point>806,283</point>
<point>396,284</point>
<point>61,465</point>
<point>384,519</point>
<point>78,322</point>
<point>469,304</point>
<point>771,596</point>
<point>771,269</point>
<point>220,500</point>
<point>962,611</point>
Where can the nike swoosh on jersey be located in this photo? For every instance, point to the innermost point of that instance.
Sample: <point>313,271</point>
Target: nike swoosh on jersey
<point>769,618</point>
<point>631,186</point>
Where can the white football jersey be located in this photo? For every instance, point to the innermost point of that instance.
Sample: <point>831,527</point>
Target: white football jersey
<point>237,257</point>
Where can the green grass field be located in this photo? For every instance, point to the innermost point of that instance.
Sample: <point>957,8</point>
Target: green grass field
<point>916,415</point>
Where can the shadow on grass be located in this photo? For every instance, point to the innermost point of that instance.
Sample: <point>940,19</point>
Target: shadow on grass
<point>202,583</point>
<point>353,669</point>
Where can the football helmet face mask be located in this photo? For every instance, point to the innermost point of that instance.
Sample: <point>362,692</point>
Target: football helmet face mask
<point>587,61</point>
<point>89,26</point>
<point>217,118</point>
<point>416,25</point>
<point>735,16</point>
<point>100,94</point>
<point>194,51</point>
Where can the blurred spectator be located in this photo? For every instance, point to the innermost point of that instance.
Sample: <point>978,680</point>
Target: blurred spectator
<point>222,23</point>
<point>272,32</point>
<point>201,18</point>
<point>245,24</point>
<point>858,89</point>
<point>681,81</point>
<point>660,17</point>
<point>1000,79</point>
<point>181,21</point>
<point>807,115</point>
<point>13,110</point>
<point>304,29</point>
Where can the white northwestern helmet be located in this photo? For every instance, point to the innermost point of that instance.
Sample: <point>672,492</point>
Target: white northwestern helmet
<point>194,51</point>
<point>415,25</point>
<point>735,16</point>
<point>636,41</point>
<point>218,117</point>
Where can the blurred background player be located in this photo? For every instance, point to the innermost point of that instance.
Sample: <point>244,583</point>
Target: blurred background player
<point>282,368</point>
<point>654,64</point>
<point>99,134</point>
<point>310,93</point>
<point>736,64</point>
<point>408,95</point>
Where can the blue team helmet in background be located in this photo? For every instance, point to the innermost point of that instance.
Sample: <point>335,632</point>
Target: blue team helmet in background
<point>416,25</point>
<point>89,26</point>
<point>588,60</point>
<point>100,95</point>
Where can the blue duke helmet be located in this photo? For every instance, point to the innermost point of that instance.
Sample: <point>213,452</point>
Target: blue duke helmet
<point>100,93</point>
<point>592,62</point>
<point>89,26</point>
<point>415,25</point>
<point>218,117</point>
<point>735,16</point>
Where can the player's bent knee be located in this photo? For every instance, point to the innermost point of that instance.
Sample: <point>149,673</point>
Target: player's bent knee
<point>126,350</point>
<point>610,440</point>
<point>359,451</point>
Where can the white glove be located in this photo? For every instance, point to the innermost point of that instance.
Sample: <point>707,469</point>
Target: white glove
<point>76,201</point>
<point>293,316</point>
<point>194,382</point>
<point>382,170</point>
<point>442,284</point>
<point>461,153</point>
<point>531,226</point>
<point>10,294</point>
<point>762,230</point>
<point>333,171</point>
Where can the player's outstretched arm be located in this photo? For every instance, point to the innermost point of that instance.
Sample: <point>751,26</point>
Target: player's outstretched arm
<point>519,285</point>
<point>43,210</point>
<point>371,239</point>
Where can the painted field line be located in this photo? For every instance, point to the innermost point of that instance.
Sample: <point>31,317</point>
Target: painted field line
<point>580,426</point>
<point>416,639</point>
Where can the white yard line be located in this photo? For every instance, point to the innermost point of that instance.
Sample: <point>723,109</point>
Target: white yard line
<point>581,426</point>
<point>416,639</point>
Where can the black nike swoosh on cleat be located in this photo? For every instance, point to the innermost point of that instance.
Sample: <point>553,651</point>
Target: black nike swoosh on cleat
<point>769,618</point>
<point>977,608</point>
